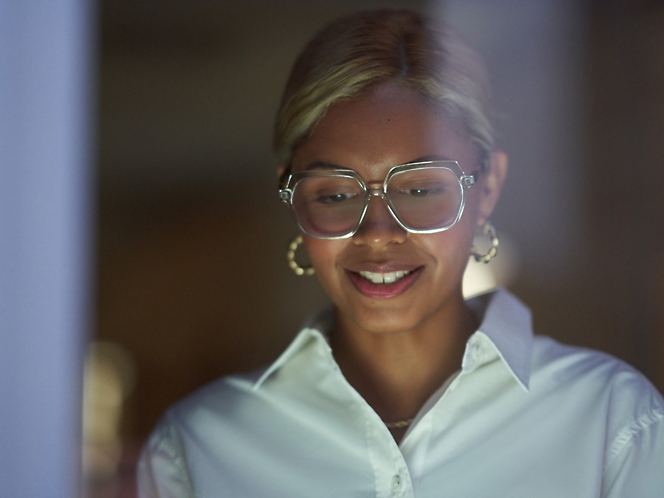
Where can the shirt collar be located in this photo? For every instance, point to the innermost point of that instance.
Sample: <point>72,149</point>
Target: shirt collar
<point>505,331</point>
<point>315,329</point>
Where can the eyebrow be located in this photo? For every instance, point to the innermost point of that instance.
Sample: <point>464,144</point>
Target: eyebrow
<point>325,165</point>
<point>431,157</point>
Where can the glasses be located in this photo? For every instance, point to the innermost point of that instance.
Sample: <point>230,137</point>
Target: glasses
<point>423,197</point>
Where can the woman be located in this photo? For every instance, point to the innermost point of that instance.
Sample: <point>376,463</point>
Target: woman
<point>404,389</point>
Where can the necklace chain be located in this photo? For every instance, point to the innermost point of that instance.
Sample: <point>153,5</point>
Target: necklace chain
<point>400,424</point>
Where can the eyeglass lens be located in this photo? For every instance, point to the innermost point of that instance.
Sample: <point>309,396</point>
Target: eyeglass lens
<point>422,199</point>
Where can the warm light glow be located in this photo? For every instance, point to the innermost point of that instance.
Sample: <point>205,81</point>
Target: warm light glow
<point>109,378</point>
<point>499,272</point>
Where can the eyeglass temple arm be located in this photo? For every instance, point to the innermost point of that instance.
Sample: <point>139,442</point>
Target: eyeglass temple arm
<point>285,193</point>
<point>470,180</point>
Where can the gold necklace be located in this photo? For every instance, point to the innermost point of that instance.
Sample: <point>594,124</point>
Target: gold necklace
<point>401,424</point>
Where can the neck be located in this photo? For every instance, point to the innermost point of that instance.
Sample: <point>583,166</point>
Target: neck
<point>397,373</point>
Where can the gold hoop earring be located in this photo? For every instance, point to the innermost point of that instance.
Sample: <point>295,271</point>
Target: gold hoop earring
<point>490,230</point>
<point>290,256</point>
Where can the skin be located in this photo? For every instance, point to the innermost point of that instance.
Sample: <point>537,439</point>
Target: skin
<point>397,351</point>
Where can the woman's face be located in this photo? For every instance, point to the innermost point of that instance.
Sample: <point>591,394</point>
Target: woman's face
<point>370,135</point>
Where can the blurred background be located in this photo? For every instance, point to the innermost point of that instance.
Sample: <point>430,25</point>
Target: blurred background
<point>192,281</point>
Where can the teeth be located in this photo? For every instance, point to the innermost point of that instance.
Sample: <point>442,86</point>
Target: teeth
<point>384,278</point>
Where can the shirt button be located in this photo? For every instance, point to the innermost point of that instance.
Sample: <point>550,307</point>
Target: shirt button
<point>396,483</point>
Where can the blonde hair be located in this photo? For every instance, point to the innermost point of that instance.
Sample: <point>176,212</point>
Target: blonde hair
<point>359,52</point>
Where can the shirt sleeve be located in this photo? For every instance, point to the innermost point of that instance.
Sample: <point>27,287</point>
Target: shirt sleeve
<point>162,469</point>
<point>637,469</point>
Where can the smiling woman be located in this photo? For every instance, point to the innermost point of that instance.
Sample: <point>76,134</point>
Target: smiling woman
<point>403,388</point>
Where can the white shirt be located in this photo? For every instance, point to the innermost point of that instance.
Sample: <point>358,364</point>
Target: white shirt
<point>524,417</point>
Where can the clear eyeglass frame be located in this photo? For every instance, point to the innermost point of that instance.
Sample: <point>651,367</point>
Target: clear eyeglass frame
<point>289,181</point>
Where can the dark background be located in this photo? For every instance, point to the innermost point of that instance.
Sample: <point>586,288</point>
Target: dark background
<point>192,280</point>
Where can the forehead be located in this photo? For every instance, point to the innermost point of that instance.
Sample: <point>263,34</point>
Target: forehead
<point>374,132</point>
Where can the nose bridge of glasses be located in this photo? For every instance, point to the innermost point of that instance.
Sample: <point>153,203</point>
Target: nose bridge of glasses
<point>377,189</point>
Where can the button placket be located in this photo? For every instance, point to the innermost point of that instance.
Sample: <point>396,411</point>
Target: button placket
<point>397,484</point>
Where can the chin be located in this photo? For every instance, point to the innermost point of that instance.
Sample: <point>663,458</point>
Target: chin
<point>382,322</point>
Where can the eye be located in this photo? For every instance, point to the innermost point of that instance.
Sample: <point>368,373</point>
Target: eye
<point>336,198</point>
<point>423,191</point>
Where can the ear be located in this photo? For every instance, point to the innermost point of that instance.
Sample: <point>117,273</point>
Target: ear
<point>280,170</point>
<point>491,185</point>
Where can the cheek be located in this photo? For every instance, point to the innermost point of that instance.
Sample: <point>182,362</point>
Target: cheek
<point>452,248</point>
<point>323,253</point>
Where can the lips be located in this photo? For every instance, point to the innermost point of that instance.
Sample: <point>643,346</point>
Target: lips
<point>384,284</point>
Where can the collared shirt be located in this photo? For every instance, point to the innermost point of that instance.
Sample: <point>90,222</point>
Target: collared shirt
<point>524,417</point>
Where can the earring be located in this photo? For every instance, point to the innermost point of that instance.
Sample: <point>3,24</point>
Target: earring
<point>487,229</point>
<point>290,256</point>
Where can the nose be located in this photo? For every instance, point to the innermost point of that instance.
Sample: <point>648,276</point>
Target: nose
<point>379,228</point>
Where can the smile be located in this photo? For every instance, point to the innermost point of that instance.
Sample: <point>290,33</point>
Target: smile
<point>383,278</point>
<point>384,285</point>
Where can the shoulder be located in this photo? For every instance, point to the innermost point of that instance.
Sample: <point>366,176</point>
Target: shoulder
<point>218,407</point>
<point>623,398</point>
<point>562,364</point>
<point>219,399</point>
<point>557,365</point>
<point>216,397</point>
<point>247,402</point>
